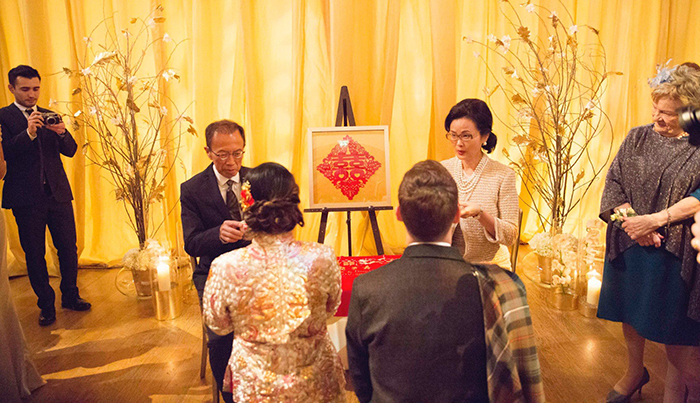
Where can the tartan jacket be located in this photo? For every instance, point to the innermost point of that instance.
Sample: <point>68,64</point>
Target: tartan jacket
<point>512,366</point>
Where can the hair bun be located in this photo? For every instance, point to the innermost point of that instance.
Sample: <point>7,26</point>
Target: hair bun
<point>274,216</point>
<point>490,144</point>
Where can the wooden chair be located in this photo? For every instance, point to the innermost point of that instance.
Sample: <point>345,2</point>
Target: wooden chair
<point>205,351</point>
<point>516,247</point>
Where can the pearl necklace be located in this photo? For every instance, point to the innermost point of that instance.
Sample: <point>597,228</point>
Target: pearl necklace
<point>467,186</point>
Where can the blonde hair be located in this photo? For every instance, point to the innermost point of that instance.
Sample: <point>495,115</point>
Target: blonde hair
<point>683,85</point>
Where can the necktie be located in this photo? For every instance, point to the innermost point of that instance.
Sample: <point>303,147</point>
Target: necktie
<point>232,201</point>
<point>29,111</point>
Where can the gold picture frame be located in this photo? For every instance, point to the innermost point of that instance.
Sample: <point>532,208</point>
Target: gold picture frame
<point>349,167</point>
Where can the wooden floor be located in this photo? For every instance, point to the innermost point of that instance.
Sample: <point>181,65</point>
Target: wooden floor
<point>118,352</point>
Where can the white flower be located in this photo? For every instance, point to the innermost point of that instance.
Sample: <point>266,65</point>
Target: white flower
<point>573,29</point>
<point>117,121</point>
<point>168,74</point>
<point>93,110</point>
<point>530,8</point>
<point>76,114</point>
<point>477,55</point>
<point>468,39</point>
<point>86,71</point>
<point>52,102</point>
<point>126,32</point>
<point>163,110</point>
<point>132,79</point>
<point>506,43</point>
<point>151,23</point>
<point>536,91</point>
<point>551,39</point>
<point>166,38</point>
<point>554,15</point>
<point>590,105</point>
<point>87,40</point>
<point>555,279</point>
<point>492,38</point>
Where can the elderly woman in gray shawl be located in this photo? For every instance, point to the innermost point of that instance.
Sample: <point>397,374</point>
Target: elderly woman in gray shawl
<point>651,281</point>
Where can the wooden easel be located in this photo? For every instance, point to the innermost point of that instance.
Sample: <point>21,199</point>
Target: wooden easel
<point>345,117</point>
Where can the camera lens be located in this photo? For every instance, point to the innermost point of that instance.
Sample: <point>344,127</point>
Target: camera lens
<point>52,119</point>
<point>689,119</point>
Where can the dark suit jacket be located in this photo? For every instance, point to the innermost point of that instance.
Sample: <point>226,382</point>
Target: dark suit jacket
<point>203,212</point>
<point>24,181</point>
<point>415,330</point>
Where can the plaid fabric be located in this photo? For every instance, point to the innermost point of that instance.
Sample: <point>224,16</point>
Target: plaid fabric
<point>513,369</point>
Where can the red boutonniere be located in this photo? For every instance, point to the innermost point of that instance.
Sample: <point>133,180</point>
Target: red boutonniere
<point>246,196</point>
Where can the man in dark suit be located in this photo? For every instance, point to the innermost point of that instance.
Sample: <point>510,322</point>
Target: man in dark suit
<point>38,192</point>
<point>415,330</point>
<point>211,219</point>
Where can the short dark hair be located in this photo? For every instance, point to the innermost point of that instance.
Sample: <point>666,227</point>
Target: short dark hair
<point>223,127</point>
<point>22,71</point>
<point>276,200</point>
<point>428,200</point>
<point>478,112</point>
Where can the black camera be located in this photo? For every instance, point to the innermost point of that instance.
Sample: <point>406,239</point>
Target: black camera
<point>689,119</point>
<point>51,118</point>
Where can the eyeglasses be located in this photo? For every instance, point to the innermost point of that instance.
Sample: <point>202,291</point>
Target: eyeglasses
<point>454,137</point>
<point>226,155</point>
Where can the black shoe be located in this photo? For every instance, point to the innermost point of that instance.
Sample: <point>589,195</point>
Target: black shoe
<point>616,397</point>
<point>77,304</point>
<point>47,317</point>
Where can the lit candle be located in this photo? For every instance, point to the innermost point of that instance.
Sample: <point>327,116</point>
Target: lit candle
<point>593,291</point>
<point>163,270</point>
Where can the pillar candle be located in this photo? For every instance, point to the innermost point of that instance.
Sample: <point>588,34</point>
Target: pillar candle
<point>163,270</point>
<point>593,291</point>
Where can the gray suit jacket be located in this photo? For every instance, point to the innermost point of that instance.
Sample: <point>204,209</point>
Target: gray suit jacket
<point>415,330</point>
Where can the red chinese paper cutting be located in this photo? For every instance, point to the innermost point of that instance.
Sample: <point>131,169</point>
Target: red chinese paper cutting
<point>348,166</point>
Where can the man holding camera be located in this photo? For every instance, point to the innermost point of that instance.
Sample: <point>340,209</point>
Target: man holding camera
<point>37,190</point>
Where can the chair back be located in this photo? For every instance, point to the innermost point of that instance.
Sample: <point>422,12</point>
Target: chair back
<point>516,246</point>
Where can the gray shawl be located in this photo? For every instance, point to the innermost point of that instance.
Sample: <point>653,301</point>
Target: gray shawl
<point>652,173</point>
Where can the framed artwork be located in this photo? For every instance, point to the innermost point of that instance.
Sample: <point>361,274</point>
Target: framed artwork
<point>349,166</point>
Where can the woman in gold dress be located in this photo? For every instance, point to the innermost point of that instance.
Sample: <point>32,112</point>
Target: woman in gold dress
<point>275,295</point>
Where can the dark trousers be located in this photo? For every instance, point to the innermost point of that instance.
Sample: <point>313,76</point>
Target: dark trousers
<point>31,223</point>
<point>219,349</point>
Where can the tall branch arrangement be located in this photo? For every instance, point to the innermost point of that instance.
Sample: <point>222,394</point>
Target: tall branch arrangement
<point>554,81</point>
<point>123,101</point>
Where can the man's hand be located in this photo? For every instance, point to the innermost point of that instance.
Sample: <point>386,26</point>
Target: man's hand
<point>696,234</point>
<point>59,129</point>
<point>232,231</point>
<point>34,121</point>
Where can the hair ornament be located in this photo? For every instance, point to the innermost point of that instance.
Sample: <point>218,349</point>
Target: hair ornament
<point>246,197</point>
<point>663,74</point>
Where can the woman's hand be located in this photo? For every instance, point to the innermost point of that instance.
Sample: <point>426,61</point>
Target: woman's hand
<point>469,209</point>
<point>639,226</point>
<point>652,239</point>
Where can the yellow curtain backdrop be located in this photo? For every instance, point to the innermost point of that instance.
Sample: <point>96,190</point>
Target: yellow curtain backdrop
<point>276,67</point>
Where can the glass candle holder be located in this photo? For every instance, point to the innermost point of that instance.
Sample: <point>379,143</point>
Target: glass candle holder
<point>167,290</point>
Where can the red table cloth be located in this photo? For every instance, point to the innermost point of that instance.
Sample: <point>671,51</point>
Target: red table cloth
<point>353,266</point>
